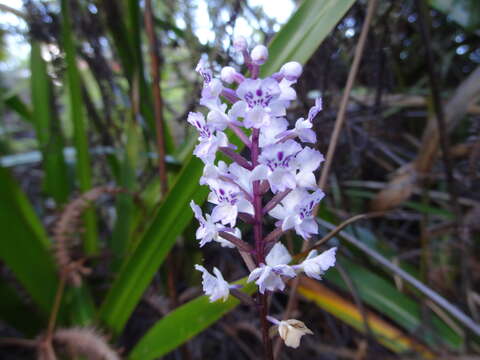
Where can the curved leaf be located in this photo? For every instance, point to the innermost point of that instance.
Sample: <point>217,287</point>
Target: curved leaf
<point>181,325</point>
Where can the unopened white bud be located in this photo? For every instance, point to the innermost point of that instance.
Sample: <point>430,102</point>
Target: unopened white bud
<point>291,70</point>
<point>228,74</point>
<point>240,43</point>
<point>259,55</point>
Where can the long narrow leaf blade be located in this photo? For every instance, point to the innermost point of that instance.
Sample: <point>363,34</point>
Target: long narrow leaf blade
<point>47,128</point>
<point>304,32</point>
<point>387,334</point>
<point>24,244</point>
<point>78,119</point>
<point>181,325</point>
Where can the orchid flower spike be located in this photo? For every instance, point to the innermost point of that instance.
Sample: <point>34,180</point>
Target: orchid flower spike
<point>276,164</point>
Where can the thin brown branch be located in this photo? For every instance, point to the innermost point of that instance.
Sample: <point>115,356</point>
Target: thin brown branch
<point>346,94</point>
<point>335,231</point>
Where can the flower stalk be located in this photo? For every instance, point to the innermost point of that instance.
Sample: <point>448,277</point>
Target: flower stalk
<point>275,165</point>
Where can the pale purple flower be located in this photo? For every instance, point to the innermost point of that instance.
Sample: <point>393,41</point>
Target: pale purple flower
<point>214,286</point>
<point>209,139</point>
<point>270,134</point>
<point>211,94</point>
<point>229,201</point>
<point>291,70</point>
<point>212,172</point>
<point>209,230</point>
<point>278,165</point>
<point>240,43</point>
<point>303,129</point>
<point>259,54</point>
<point>296,211</point>
<point>269,275</point>
<point>315,265</point>
<point>259,101</point>
<point>307,161</point>
<point>228,74</point>
<point>287,93</point>
<point>204,70</point>
<point>217,118</point>
<point>242,177</point>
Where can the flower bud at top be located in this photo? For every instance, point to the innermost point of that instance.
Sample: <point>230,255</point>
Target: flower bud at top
<point>240,43</point>
<point>291,70</point>
<point>259,55</point>
<point>228,74</point>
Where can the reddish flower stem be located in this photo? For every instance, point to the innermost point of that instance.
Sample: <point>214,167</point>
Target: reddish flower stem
<point>260,246</point>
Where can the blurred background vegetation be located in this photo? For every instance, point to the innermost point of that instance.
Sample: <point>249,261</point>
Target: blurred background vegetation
<point>89,244</point>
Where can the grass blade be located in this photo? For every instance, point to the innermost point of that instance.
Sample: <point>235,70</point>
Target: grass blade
<point>77,115</point>
<point>388,335</point>
<point>15,103</point>
<point>25,247</point>
<point>386,299</point>
<point>181,325</point>
<point>47,128</point>
<point>304,32</point>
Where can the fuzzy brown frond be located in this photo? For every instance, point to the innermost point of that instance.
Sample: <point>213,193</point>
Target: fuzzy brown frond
<point>86,342</point>
<point>66,228</point>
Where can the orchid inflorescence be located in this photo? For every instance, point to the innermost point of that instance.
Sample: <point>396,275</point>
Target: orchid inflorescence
<point>275,165</point>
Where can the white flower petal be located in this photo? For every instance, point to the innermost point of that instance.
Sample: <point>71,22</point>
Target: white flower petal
<point>278,255</point>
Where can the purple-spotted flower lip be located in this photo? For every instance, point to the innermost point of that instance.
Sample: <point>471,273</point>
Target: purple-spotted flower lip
<point>280,156</point>
<point>305,209</point>
<point>225,196</point>
<point>204,70</point>
<point>197,119</point>
<point>259,92</point>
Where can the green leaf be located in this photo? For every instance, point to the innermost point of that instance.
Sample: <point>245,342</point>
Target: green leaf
<point>16,313</point>
<point>181,325</point>
<point>47,128</point>
<point>77,115</point>
<point>304,32</point>
<point>172,217</point>
<point>175,214</point>
<point>15,103</point>
<point>24,246</point>
<point>125,207</point>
